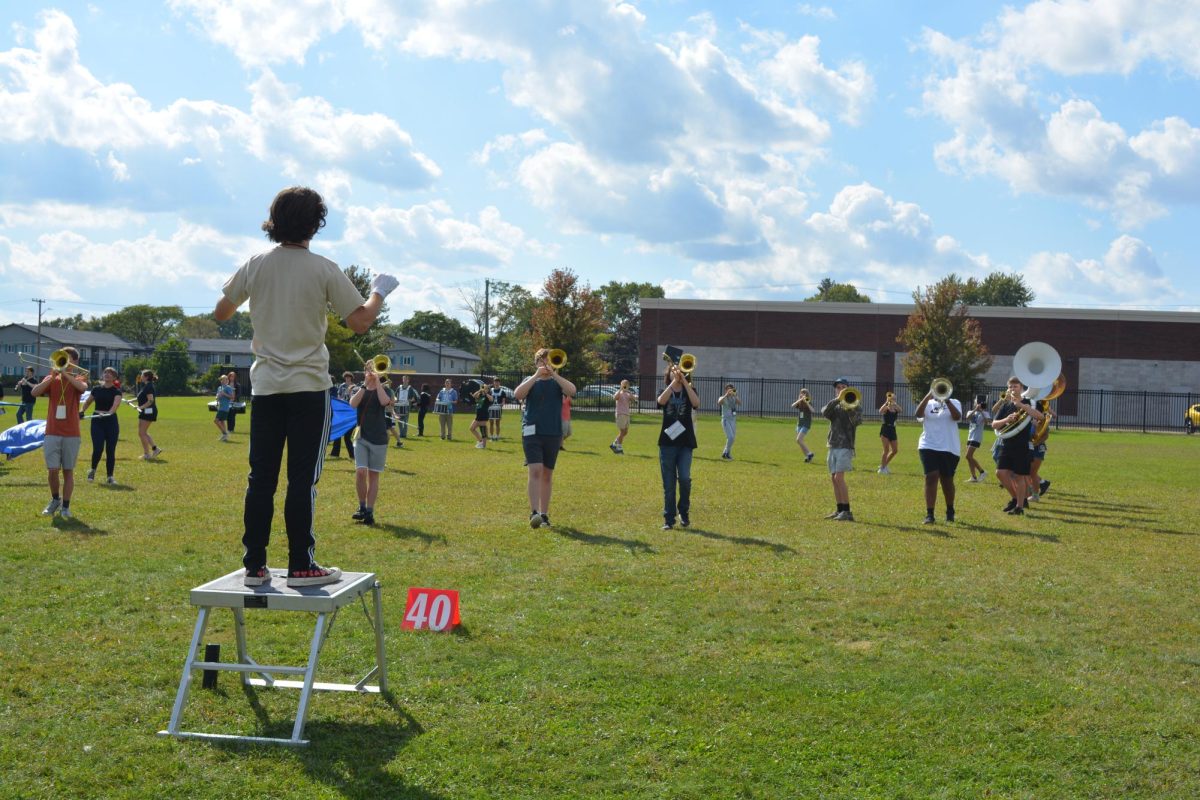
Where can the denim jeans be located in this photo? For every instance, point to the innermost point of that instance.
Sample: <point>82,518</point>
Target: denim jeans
<point>676,465</point>
<point>25,412</point>
<point>729,425</point>
<point>300,421</point>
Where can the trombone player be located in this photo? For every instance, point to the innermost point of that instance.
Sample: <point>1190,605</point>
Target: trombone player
<point>844,418</point>
<point>64,386</point>
<point>938,446</point>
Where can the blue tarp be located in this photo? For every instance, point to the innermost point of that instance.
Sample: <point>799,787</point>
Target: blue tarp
<point>22,438</point>
<point>344,419</point>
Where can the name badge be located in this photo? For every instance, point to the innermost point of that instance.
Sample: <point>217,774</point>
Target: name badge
<point>60,412</point>
<point>529,430</point>
<point>674,430</point>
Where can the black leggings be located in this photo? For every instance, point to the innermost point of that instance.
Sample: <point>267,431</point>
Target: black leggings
<point>104,439</point>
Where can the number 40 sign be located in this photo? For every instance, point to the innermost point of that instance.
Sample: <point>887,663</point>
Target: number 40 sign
<point>432,609</point>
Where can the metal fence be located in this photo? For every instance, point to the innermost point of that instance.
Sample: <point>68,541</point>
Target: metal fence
<point>1094,409</point>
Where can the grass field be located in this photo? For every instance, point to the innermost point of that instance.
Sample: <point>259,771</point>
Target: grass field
<point>763,653</point>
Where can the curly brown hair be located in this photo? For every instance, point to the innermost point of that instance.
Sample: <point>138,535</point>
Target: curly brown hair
<point>297,213</point>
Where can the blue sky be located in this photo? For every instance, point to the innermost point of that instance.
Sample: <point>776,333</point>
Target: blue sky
<point>720,149</point>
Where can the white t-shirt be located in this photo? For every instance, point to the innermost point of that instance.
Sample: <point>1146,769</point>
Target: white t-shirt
<point>939,430</point>
<point>289,289</point>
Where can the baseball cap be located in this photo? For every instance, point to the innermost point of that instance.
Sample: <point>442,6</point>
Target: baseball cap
<point>843,379</point>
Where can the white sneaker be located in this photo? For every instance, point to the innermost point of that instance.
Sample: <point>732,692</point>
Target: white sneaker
<point>481,445</point>
<point>111,481</point>
<point>156,452</point>
<point>982,475</point>
<point>65,513</point>
<point>52,508</point>
<point>91,476</point>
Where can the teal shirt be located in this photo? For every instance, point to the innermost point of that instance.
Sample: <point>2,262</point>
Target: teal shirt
<point>543,408</point>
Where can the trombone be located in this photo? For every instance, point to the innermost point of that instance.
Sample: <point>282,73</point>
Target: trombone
<point>556,359</point>
<point>941,389</point>
<point>58,361</point>
<point>380,364</point>
<point>849,398</point>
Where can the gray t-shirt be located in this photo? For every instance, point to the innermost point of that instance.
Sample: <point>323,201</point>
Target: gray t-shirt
<point>976,420</point>
<point>290,290</point>
<point>728,406</point>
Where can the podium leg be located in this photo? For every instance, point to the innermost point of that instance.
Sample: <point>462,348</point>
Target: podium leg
<point>380,653</point>
<point>185,682</point>
<point>314,652</point>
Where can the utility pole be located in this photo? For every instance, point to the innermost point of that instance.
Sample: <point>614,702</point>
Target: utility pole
<point>487,316</point>
<point>40,303</point>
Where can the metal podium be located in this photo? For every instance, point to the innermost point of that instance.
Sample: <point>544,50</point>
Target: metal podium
<point>228,592</point>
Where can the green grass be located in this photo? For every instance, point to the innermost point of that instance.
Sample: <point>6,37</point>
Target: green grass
<point>763,653</point>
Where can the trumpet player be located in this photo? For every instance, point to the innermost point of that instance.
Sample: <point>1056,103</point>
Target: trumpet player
<point>844,420</point>
<point>887,432</point>
<point>64,387</point>
<point>541,432</point>
<point>677,444</point>
<point>977,418</point>
<point>1013,465</point>
<point>939,449</point>
<point>728,404</point>
<point>804,415</point>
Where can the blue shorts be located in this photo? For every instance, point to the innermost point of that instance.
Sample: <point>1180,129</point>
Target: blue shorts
<point>802,429</point>
<point>1038,452</point>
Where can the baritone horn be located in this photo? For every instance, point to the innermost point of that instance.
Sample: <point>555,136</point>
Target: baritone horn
<point>941,389</point>
<point>557,359</point>
<point>849,398</point>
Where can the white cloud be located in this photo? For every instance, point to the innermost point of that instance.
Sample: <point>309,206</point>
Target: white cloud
<point>46,94</point>
<point>1004,124</point>
<point>1127,274</point>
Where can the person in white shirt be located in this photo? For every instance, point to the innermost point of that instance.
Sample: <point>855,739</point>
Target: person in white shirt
<point>290,290</point>
<point>939,449</point>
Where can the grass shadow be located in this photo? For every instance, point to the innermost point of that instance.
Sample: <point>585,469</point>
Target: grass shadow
<point>1068,517</point>
<point>77,526</point>
<point>632,545</point>
<point>1043,537</point>
<point>927,530</point>
<point>1091,502</point>
<point>742,460</point>
<point>403,532</point>
<point>748,541</point>
<point>116,487</point>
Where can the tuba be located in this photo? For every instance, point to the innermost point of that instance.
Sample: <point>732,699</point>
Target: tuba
<point>556,359</point>
<point>941,389</point>
<point>849,398</point>
<point>1043,428</point>
<point>1038,366</point>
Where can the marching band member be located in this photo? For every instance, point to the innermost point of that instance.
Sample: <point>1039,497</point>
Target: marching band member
<point>106,429</point>
<point>622,402</point>
<point>446,399</point>
<point>345,391</point>
<point>1013,466</point>
<point>424,401</point>
<point>887,433</point>
<point>939,450</point>
<point>541,432</point>
<point>224,401</point>
<point>26,384</point>
<point>290,291</point>
<point>371,400</point>
<point>147,406</point>
<point>977,418</point>
<point>479,425</point>
<point>1037,446</point>
<point>676,445</point>
<point>843,422</point>
<point>406,396</point>
<point>804,409</point>
<point>728,404</point>
<point>495,410</point>
<point>61,446</point>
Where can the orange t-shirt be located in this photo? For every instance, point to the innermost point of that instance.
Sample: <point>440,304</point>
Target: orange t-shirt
<point>68,426</point>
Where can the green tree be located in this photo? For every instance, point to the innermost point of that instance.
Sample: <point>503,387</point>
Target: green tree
<point>997,289</point>
<point>172,365</point>
<point>511,311</point>
<point>434,326</point>
<point>339,341</point>
<point>830,292</point>
<point>236,327</point>
<point>623,321</point>
<point>569,316</point>
<point>143,324</point>
<point>942,341</point>
<point>200,326</point>
<point>75,323</point>
<point>132,367</point>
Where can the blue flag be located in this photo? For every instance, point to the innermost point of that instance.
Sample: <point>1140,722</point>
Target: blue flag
<point>344,419</point>
<point>22,438</point>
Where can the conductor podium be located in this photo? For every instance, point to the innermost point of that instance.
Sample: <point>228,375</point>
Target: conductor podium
<point>325,601</point>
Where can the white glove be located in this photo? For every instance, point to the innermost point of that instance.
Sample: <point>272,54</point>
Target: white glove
<point>384,284</point>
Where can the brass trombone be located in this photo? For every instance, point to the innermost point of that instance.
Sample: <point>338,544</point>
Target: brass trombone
<point>556,359</point>
<point>941,389</point>
<point>849,398</point>
<point>58,361</point>
<point>380,364</point>
<point>687,363</point>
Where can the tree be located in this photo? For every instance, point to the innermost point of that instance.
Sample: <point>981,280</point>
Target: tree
<point>171,364</point>
<point>339,341</point>
<point>375,340</point>
<point>623,319</point>
<point>434,326</point>
<point>942,341</point>
<point>143,324</point>
<point>75,323</point>
<point>236,327</point>
<point>997,289</point>
<point>132,367</point>
<point>570,317</point>
<point>830,292</point>
<point>200,326</point>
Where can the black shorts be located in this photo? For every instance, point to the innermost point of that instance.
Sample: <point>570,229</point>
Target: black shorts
<point>481,416</point>
<point>938,461</point>
<point>542,450</point>
<point>974,444</point>
<point>1015,460</point>
<point>888,432</point>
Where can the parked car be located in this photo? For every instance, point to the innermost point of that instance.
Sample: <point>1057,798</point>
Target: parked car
<point>1191,419</point>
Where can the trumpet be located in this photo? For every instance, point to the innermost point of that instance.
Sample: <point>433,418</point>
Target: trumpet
<point>890,396</point>
<point>556,359</point>
<point>941,389</point>
<point>849,398</point>
<point>380,364</point>
<point>58,361</point>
